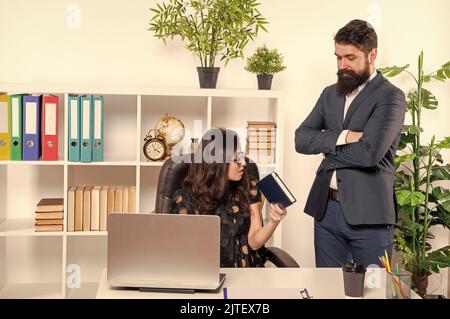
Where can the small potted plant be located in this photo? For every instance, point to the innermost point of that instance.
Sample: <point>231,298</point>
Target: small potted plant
<point>265,63</point>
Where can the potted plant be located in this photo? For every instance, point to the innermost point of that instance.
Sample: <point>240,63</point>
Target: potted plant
<point>265,63</point>
<point>210,28</point>
<point>422,199</point>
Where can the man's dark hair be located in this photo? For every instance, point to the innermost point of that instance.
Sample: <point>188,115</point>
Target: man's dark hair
<point>359,33</point>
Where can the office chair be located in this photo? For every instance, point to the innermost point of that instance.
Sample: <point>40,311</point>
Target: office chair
<point>171,178</point>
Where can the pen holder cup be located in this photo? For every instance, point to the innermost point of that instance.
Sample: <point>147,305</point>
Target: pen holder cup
<point>398,286</point>
<point>354,276</point>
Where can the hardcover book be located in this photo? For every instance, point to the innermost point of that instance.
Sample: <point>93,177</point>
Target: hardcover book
<point>275,190</point>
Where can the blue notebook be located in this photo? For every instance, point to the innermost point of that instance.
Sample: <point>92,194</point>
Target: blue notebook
<point>275,190</point>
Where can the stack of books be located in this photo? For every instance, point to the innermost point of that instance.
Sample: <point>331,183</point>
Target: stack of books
<point>49,214</point>
<point>261,141</point>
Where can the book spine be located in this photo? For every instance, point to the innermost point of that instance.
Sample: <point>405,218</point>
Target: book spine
<point>261,145</point>
<point>261,131</point>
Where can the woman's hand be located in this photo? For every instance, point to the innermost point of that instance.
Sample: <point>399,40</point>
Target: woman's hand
<point>276,213</point>
<point>259,234</point>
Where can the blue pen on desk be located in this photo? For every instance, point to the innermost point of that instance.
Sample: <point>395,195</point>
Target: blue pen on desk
<point>225,293</point>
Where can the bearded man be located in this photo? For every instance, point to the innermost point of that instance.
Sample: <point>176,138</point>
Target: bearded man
<point>356,125</point>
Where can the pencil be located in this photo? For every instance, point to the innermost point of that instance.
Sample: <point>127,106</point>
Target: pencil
<point>402,292</point>
<point>382,262</point>
<point>387,261</point>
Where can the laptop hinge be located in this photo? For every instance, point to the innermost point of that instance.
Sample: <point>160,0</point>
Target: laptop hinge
<point>168,290</point>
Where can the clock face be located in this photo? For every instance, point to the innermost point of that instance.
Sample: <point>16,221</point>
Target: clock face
<point>154,150</point>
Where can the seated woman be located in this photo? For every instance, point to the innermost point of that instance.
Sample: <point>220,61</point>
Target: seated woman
<point>217,184</point>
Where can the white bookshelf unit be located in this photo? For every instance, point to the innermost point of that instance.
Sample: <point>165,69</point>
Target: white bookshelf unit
<point>39,264</point>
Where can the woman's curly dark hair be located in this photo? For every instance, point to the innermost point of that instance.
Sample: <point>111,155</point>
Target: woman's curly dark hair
<point>207,176</point>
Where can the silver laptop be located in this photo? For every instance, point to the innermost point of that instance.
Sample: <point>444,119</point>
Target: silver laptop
<point>164,251</point>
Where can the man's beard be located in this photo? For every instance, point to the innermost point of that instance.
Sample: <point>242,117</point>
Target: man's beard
<point>347,84</point>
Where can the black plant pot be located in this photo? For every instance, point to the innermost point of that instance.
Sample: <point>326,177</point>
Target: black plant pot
<point>208,77</point>
<point>264,81</point>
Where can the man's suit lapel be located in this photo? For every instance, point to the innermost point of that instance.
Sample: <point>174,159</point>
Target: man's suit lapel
<point>340,112</point>
<point>364,94</point>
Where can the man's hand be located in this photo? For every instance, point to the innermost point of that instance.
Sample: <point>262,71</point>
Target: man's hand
<point>353,137</point>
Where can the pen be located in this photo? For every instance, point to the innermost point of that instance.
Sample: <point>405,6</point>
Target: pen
<point>305,292</point>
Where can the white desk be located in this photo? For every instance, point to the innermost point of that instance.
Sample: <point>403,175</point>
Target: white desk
<point>322,283</point>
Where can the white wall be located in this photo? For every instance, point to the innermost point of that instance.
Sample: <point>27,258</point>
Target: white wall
<point>112,46</point>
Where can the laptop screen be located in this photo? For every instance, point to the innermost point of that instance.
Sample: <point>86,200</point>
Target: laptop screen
<point>163,251</point>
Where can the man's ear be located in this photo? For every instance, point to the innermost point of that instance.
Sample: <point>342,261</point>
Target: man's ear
<point>372,55</point>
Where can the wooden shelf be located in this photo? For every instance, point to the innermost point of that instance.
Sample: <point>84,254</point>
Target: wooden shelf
<point>86,233</point>
<point>53,88</point>
<point>62,163</point>
<point>43,163</point>
<point>260,166</point>
<point>25,227</point>
<point>31,290</point>
<point>156,164</point>
<point>22,227</point>
<point>88,290</point>
<point>104,163</point>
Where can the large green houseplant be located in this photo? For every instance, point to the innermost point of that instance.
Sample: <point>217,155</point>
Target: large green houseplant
<point>210,29</point>
<point>423,200</point>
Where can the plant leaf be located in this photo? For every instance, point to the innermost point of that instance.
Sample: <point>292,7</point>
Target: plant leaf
<point>439,258</point>
<point>443,197</point>
<point>404,158</point>
<point>401,179</point>
<point>424,150</point>
<point>392,71</point>
<point>440,217</point>
<point>445,143</point>
<point>437,77</point>
<point>405,138</point>
<point>403,196</point>
<point>406,197</point>
<point>429,101</point>
<point>412,129</point>
<point>440,173</point>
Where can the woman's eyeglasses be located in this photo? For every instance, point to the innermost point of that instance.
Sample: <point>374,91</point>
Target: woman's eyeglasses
<point>239,158</point>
